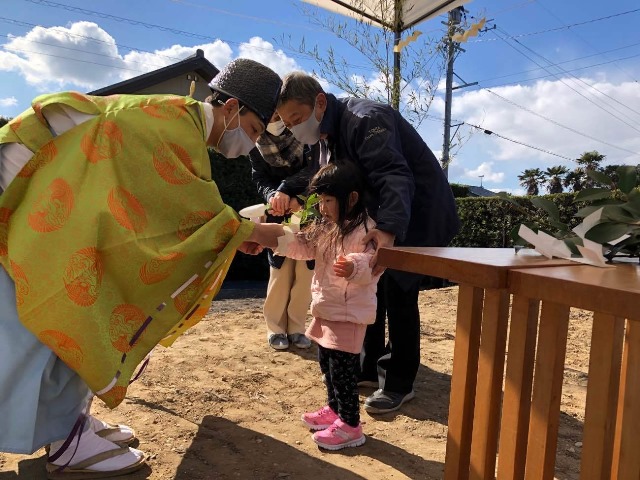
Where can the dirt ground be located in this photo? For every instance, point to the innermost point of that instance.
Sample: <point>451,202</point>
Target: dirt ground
<point>221,404</point>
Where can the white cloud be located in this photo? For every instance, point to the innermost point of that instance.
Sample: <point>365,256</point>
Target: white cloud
<point>58,56</point>
<point>8,102</point>
<point>484,170</point>
<point>262,51</point>
<point>560,104</point>
<point>84,56</point>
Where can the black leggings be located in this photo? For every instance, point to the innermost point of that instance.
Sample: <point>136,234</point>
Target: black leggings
<point>341,372</point>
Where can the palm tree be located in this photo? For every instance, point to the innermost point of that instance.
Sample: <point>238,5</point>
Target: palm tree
<point>589,161</point>
<point>554,177</point>
<point>531,180</point>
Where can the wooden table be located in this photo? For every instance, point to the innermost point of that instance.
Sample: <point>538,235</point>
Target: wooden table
<point>479,351</point>
<point>529,427</point>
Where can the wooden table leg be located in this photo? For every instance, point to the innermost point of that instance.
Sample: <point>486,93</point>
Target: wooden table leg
<point>463,382</point>
<point>488,399</point>
<point>516,402</point>
<point>626,460</point>
<point>602,396</point>
<point>547,392</point>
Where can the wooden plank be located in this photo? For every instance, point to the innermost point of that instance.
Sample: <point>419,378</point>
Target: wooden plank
<point>481,267</point>
<point>626,460</point>
<point>516,403</point>
<point>486,417</point>
<point>463,382</point>
<point>547,390</point>
<point>605,359</point>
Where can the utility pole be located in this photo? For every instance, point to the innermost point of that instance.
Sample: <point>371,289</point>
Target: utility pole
<point>454,20</point>
<point>481,177</point>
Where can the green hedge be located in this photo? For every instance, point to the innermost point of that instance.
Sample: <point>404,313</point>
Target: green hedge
<point>488,221</point>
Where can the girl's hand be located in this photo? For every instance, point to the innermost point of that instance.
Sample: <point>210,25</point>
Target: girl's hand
<point>343,267</point>
<point>279,204</point>
<point>380,239</point>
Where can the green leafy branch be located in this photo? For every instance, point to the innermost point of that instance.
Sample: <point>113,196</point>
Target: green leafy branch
<point>618,227</point>
<point>309,211</point>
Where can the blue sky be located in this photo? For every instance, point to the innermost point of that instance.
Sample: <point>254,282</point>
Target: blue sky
<point>555,78</point>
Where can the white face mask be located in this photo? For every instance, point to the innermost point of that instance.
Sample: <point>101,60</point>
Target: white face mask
<point>308,132</point>
<point>276,128</point>
<point>235,142</point>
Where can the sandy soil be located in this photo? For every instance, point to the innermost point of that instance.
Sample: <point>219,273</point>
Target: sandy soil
<point>221,404</point>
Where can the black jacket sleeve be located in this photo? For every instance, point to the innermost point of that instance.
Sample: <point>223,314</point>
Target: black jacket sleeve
<point>375,142</point>
<point>261,175</point>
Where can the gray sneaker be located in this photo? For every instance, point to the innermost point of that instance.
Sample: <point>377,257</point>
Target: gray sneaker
<point>382,401</point>
<point>278,341</point>
<point>300,340</point>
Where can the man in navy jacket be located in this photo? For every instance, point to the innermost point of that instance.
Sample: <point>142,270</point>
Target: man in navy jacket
<point>411,203</point>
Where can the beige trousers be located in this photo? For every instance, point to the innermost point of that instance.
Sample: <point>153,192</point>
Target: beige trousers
<point>288,297</point>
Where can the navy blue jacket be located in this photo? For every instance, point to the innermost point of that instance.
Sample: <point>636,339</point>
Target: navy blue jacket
<point>411,196</point>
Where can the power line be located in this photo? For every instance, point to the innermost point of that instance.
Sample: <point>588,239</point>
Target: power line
<point>559,124</point>
<point>77,35</point>
<point>81,51</point>
<point>163,28</point>
<point>490,132</point>
<point>564,27</point>
<point>579,80</point>
<point>576,34</point>
<point>565,83</point>
<point>568,61</point>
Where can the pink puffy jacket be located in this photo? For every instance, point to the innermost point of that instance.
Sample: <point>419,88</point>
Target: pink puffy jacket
<point>336,298</point>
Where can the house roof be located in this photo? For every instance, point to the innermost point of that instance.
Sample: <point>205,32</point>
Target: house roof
<point>480,191</point>
<point>195,63</point>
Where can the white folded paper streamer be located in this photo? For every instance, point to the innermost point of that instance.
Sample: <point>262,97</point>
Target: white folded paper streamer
<point>552,247</point>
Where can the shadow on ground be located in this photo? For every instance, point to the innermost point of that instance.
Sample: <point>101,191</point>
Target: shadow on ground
<point>231,451</point>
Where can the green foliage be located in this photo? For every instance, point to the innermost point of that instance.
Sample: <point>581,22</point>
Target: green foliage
<point>3,121</point>
<point>489,221</point>
<point>309,212</point>
<point>617,200</point>
<point>459,190</point>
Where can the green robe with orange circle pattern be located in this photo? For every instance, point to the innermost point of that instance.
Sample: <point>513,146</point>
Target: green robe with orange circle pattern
<point>114,232</point>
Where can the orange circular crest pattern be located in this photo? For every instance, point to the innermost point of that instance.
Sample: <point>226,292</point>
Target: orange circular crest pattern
<point>166,108</point>
<point>224,235</point>
<point>114,396</point>
<point>64,347</point>
<point>164,161</point>
<point>79,96</point>
<point>15,124</point>
<point>186,298</point>
<point>102,142</point>
<point>125,321</point>
<point>44,156</point>
<point>193,222</point>
<point>127,209</point>
<point>159,268</point>
<point>5,216</point>
<point>21,281</point>
<point>52,208</point>
<point>37,108</point>
<point>83,276</point>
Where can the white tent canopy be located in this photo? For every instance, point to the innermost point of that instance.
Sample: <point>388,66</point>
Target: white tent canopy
<point>412,11</point>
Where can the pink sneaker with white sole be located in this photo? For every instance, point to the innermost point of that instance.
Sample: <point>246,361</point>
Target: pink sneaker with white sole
<point>320,419</point>
<point>339,435</point>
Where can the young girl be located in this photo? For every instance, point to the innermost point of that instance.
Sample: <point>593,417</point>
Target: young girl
<point>343,299</point>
